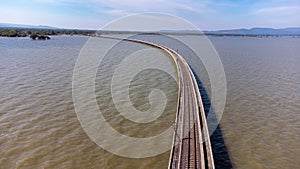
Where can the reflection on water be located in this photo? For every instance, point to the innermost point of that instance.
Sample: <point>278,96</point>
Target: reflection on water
<point>39,127</point>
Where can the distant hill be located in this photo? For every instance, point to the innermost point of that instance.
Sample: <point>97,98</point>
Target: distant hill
<point>9,25</point>
<point>258,31</point>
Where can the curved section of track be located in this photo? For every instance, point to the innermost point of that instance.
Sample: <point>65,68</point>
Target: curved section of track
<point>191,145</point>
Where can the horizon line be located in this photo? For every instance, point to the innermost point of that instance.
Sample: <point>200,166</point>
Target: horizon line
<point>34,26</point>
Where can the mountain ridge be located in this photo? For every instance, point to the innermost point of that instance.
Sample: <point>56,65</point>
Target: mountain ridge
<point>11,25</point>
<point>259,31</point>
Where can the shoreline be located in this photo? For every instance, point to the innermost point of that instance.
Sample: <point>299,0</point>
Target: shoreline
<point>29,32</point>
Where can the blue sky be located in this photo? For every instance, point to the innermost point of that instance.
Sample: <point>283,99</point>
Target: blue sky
<point>205,14</point>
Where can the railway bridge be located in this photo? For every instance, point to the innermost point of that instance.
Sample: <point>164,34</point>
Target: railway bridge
<point>191,143</point>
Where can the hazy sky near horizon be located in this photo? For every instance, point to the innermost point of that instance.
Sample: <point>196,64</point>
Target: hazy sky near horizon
<point>205,14</point>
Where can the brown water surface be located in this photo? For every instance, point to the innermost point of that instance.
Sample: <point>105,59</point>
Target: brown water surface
<point>39,127</point>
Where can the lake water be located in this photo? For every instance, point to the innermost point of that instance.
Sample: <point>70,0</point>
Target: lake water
<point>261,122</point>
<point>39,127</point>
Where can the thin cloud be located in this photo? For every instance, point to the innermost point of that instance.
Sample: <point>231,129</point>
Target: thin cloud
<point>174,7</point>
<point>58,1</point>
<point>279,10</point>
<point>280,16</point>
<point>207,14</point>
<point>118,12</point>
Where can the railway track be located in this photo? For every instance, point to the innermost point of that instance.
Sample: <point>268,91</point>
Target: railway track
<point>192,149</point>
<point>191,144</point>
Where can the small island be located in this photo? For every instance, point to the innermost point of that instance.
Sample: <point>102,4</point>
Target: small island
<point>39,37</point>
